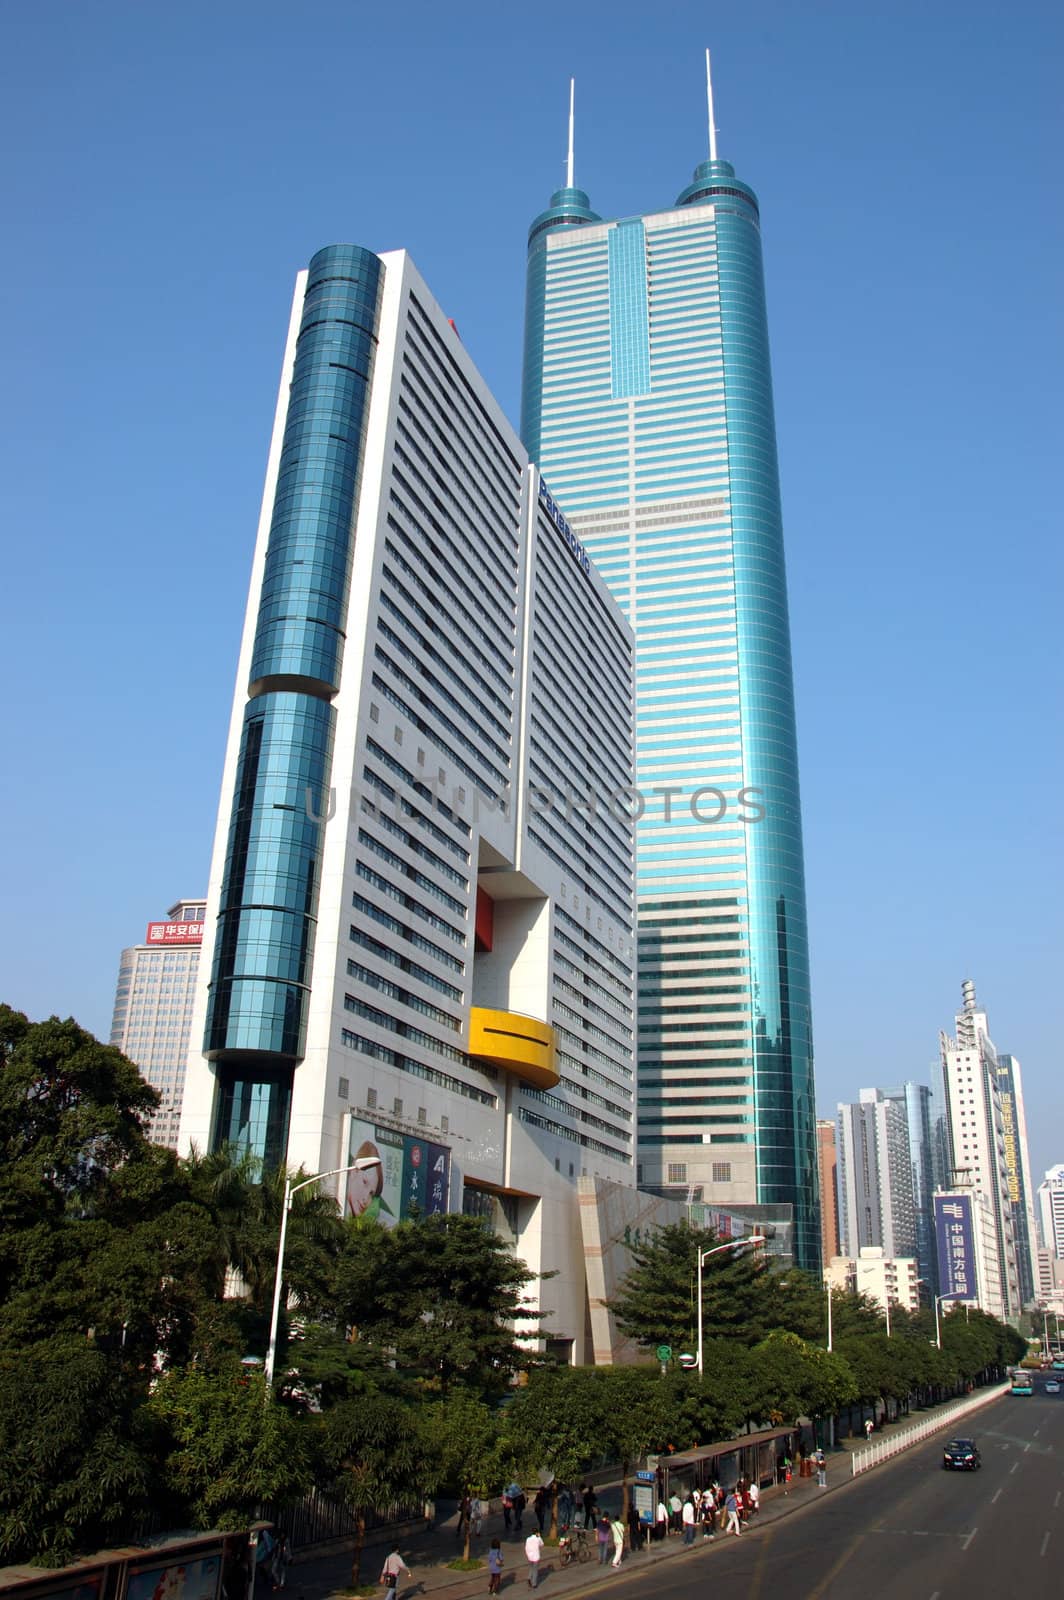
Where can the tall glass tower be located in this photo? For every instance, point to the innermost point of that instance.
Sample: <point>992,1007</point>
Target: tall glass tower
<point>647,401</point>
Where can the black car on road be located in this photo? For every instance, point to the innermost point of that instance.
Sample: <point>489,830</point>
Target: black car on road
<point>961,1455</point>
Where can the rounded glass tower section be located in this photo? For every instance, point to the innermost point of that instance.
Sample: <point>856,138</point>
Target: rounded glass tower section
<point>569,208</point>
<point>256,1016</point>
<point>784,1100</point>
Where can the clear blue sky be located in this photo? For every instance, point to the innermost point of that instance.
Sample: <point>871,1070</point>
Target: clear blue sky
<point>169,168</point>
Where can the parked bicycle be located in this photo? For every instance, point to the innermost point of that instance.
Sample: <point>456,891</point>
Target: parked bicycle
<point>573,1546</point>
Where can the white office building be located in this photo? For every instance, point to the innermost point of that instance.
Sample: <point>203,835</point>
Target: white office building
<point>1051,1211</point>
<point>419,936</point>
<point>152,1019</point>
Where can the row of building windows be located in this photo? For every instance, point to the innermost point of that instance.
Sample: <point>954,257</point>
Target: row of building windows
<point>408,902</point>
<point>395,991</point>
<point>490,657</point>
<point>406,870</point>
<point>418,1069</point>
<point>419,786</point>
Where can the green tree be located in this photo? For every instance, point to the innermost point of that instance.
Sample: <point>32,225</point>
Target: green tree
<point>378,1460</point>
<point>463,1437</point>
<point>657,1301</point>
<point>73,1477</point>
<point>793,1379</point>
<point>641,1416</point>
<point>558,1425</point>
<point>223,1445</point>
<point>441,1294</point>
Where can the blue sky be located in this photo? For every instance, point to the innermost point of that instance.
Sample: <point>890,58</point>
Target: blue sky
<point>169,170</point>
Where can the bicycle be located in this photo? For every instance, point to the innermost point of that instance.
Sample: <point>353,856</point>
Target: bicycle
<point>573,1546</point>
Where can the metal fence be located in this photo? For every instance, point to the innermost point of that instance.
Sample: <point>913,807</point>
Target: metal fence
<point>317,1519</point>
<point>883,1449</point>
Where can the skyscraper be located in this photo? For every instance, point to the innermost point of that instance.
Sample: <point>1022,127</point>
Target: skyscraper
<point>152,1018</point>
<point>828,1175</point>
<point>1018,1172</point>
<point>876,1208</point>
<point>416,953</point>
<point>1051,1211</point>
<point>916,1101</point>
<point>973,1092</point>
<point>647,401</point>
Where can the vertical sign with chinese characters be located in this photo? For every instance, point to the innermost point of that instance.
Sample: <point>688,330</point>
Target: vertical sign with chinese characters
<point>955,1237</point>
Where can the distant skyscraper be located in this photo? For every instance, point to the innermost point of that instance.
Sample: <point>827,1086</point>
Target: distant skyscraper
<point>916,1101</point>
<point>417,953</point>
<point>977,1136</point>
<point>876,1206</point>
<point>1051,1211</point>
<point>1018,1172</point>
<point>152,1021</point>
<point>647,400</point>
<point>827,1170</point>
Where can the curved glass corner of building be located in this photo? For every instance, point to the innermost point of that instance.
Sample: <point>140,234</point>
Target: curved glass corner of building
<point>779,949</point>
<point>569,208</point>
<point>257,1002</point>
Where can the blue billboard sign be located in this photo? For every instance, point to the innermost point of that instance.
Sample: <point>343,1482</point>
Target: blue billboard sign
<point>955,1237</point>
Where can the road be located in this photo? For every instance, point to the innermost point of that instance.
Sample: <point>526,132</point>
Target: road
<point>907,1530</point>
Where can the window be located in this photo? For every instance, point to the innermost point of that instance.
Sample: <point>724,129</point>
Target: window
<point>371,1098</point>
<point>343,1088</point>
<point>397,1108</point>
<point>444,1125</point>
<point>676,1172</point>
<point>722,1172</point>
<point>422,1114</point>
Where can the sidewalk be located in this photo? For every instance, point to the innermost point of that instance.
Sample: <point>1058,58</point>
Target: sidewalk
<point>323,1577</point>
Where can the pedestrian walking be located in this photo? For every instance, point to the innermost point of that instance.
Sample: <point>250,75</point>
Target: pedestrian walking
<point>821,1469</point>
<point>590,1502</point>
<point>565,1505</point>
<point>709,1517</point>
<point>393,1566</point>
<point>755,1497</point>
<point>731,1505</point>
<point>687,1520</point>
<point>533,1555</point>
<point>869,1425</point>
<point>636,1528</point>
<point>428,1511</point>
<point>495,1567</point>
<point>539,1506</point>
<point>465,1507</point>
<point>507,1511</point>
<point>661,1521</point>
<point>280,1559</point>
<point>519,1510</point>
<point>605,1540</point>
<point>617,1532</point>
<point>476,1514</point>
<point>675,1510</point>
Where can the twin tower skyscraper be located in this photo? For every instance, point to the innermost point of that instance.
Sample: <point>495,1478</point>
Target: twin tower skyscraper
<point>425,627</point>
<point>647,402</point>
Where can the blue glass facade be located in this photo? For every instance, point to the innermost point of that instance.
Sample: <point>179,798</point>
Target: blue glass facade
<point>256,1018</point>
<point>647,401</point>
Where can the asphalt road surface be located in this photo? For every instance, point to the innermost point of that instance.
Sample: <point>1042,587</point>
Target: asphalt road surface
<point>908,1530</point>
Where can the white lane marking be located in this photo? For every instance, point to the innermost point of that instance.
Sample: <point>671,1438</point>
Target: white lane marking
<point>1026,1448</point>
<point>997,1496</point>
<point>1045,1541</point>
<point>1056,1502</point>
<point>919,1533</point>
<point>1037,1431</point>
<point>1012,1469</point>
<point>936,1594</point>
<point>969,1539</point>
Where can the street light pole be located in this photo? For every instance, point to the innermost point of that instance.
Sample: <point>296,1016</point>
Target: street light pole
<point>290,1190</point>
<point>703,1256</point>
<point>827,1286</point>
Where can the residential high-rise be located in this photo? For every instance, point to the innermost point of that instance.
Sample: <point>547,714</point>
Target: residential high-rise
<point>827,1173</point>
<point>152,1020</point>
<point>1051,1211</point>
<point>973,1094</point>
<point>419,949</point>
<point>916,1100</point>
<point>876,1206</point>
<point>647,401</point>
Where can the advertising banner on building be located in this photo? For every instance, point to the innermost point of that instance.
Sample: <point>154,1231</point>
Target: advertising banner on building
<point>174,933</point>
<point>191,1580</point>
<point>403,1174</point>
<point>955,1237</point>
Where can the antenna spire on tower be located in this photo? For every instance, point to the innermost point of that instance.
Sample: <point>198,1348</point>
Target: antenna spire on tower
<point>709,103</point>
<point>572,105</point>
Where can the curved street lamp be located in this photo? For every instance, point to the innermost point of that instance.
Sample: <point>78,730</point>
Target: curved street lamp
<point>291,1189</point>
<point>753,1239</point>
